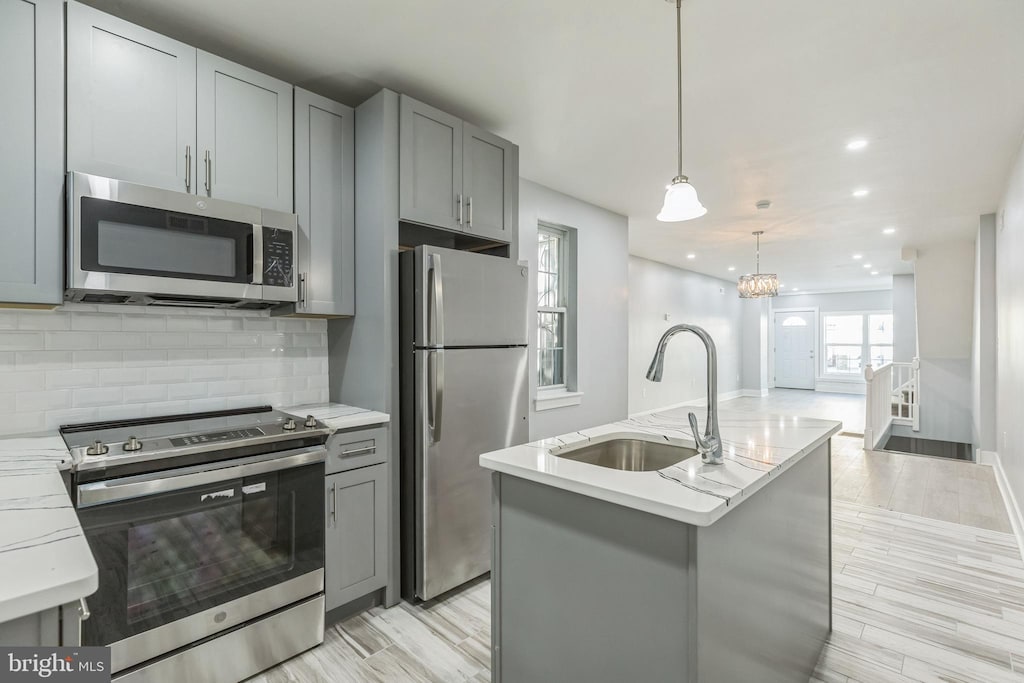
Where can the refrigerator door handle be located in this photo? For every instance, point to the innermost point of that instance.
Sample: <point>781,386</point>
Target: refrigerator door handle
<point>437,321</point>
<point>436,374</point>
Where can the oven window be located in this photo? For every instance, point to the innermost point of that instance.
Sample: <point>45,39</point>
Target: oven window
<point>138,240</point>
<point>167,556</point>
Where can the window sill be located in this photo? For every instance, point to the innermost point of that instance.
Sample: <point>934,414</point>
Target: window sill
<point>557,398</point>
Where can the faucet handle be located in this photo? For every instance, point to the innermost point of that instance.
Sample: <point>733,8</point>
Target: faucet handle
<point>702,443</point>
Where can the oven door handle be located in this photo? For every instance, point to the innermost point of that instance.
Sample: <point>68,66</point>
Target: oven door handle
<point>126,488</point>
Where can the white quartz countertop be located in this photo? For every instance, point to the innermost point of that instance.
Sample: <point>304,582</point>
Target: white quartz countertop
<point>45,560</point>
<point>757,449</point>
<point>339,416</point>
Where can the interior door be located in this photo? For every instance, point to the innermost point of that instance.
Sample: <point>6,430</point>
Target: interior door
<point>244,128</point>
<point>131,97</point>
<point>470,402</point>
<point>794,349</point>
<point>490,179</point>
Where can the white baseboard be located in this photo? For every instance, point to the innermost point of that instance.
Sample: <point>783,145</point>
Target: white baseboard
<point>840,387</point>
<point>754,393</point>
<point>693,403</point>
<point>1012,509</point>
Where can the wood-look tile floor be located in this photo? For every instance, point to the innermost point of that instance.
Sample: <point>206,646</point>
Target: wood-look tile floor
<point>847,408</point>
<point>917,599</point>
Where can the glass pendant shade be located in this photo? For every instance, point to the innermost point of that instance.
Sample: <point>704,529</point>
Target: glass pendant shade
<point>758,285</point>
<point>681,203</point>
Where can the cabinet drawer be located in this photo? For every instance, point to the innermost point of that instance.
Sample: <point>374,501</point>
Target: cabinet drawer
<point>356,448</point>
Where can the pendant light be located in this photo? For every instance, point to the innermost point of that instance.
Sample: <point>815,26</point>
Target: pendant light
<point>759,284</point>
<point>681,202</point>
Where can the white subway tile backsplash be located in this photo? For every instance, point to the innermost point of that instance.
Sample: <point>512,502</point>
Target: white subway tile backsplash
<point>81,363</point>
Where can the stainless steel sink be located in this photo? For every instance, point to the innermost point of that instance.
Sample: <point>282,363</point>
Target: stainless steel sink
<point>629,455</point>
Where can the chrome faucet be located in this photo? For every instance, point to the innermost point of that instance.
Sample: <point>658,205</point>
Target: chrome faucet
<point>710,444</point>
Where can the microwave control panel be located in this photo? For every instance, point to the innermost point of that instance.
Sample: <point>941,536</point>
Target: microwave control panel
<point>278,257</point>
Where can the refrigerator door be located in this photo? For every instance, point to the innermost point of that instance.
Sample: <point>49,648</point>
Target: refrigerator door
<point>467,299</point>
<point>469,402</point>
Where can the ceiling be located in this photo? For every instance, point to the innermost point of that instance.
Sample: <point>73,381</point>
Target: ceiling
<point>773,92</point>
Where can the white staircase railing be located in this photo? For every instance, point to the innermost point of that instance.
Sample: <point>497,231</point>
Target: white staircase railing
<point>892,397</point>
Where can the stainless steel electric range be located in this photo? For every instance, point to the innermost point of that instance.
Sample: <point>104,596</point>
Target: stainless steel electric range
<point>208,530</point>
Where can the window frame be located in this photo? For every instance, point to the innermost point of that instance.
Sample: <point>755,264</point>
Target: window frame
<point>865,344</point>
<point>566,392</point>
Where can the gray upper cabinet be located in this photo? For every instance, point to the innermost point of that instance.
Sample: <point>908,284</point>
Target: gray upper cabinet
<point>490,183</point>
<point>455,175</point>
<point>131,101</point>
<point>32,140</point>
<point>355,544</point>
<point>430,166</point>
<point>244,134</point>
<point>325,204</point>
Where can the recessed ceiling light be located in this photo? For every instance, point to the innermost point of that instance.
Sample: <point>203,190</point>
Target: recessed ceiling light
<point>867,265</point>
<point>781,286</point>
<point>858,257</point>
<point>796,289</point>
<point>874,272</point>
<point>861,192</point>
<point>856,143</point>
<point>691,256</point>
<point>732,268</point>
<point>889,231</point>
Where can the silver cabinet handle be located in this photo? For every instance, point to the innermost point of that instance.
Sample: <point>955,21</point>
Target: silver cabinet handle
<point>83,610</point>
<point>358,451</point>
<point>334,505</point>
<point>208,161</point>
<point>469,210</point>
<point>302,291</point>
<point>188,168</point>
<point>458,203</point>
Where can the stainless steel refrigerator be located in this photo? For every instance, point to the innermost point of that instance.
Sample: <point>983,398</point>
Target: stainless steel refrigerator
<point>463,368</point>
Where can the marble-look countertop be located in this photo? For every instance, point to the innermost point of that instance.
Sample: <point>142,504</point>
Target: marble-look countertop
<point>45,560</point>
<point>757,449</point>
<point>339,416</point>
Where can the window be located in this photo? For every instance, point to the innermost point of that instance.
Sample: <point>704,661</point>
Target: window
<point>555,307</point>
<point>853,340</point>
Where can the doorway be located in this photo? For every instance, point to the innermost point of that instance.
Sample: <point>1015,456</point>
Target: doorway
<point>795,345</point>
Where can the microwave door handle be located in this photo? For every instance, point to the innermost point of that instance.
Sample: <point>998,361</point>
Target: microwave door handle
<point>257,254</point>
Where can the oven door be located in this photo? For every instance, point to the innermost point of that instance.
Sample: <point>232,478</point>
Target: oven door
<point>129,238</point>
<point>190,553</point>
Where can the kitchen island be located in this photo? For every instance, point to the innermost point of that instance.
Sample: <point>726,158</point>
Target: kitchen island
<point>689,572</point>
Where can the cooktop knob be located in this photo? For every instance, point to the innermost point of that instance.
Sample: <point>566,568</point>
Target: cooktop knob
<point>289,424</point>
<point>132,444</point>
<point>97,448</point>
<point>310,421</point>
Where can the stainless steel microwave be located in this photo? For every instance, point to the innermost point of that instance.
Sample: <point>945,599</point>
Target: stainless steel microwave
<point>133,244</point>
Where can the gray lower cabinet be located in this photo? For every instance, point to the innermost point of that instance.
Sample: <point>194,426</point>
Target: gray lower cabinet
<point>455,175</point>
<point>55,627</point>
<point>244,133</point>
<point>131,102</point>
<point>32,140</point>
<point>325,205</point>
<point>356,534</point>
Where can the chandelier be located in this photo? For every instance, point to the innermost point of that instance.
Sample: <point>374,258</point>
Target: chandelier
<point>759,284</point>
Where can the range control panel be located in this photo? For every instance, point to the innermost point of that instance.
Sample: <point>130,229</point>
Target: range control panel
<point>278,257</point>
<point>213,437</point>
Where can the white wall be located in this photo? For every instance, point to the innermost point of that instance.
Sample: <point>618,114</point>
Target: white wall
<point>657,290</point>
<point>1010,309</point>
<point>904,319</point>
<point>944,281</point>
<point>755,346</point>
<point>983,347</point>
<point>82,363</point>
<point>603,317</point>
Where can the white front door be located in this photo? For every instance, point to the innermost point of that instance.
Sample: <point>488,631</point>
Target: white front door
<point>794,349</point>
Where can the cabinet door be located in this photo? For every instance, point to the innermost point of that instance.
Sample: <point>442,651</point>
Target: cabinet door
<point>325,204</point>
<point>32,140</point>
<point>244,133</point>
<point>430,166</point>
<point>356,539</point>
<point>131,102</point>
<point>490,183</point>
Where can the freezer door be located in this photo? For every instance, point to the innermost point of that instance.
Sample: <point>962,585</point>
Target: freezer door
<point>467,299</point>
<point>472,401</point>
